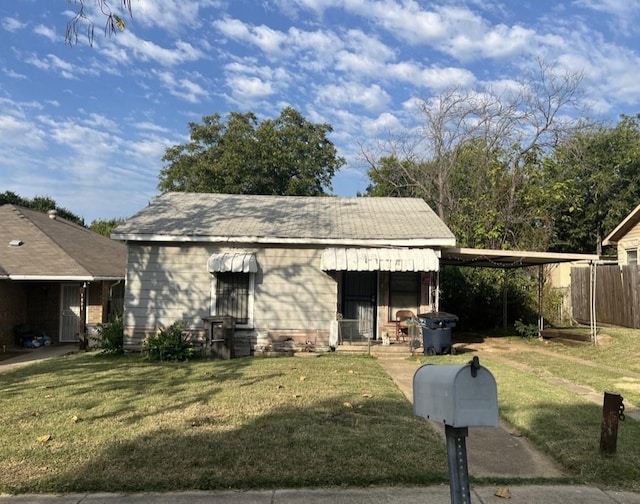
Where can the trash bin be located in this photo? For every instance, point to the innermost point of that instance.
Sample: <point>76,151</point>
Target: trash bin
<point>436,332</point>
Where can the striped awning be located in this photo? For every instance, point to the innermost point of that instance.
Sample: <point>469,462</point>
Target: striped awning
<point>379,259</point>
<point>233,262</point>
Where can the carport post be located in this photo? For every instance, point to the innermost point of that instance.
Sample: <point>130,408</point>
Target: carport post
<point>540,295</point>
<point>505,299</point>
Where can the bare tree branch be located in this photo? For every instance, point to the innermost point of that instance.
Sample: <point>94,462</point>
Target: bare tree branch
<point>113,24</point>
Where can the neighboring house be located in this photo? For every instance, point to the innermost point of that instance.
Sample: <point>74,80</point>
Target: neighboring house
<point>626,237</point>
<point>285,267</point>
<point>55,275</point>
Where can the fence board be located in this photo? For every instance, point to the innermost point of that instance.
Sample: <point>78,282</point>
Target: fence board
<point>617,295</point>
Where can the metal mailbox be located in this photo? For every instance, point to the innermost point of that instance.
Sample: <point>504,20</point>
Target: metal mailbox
<point>459,396</point>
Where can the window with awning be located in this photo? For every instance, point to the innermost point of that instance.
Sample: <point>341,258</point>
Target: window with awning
<point>233,287</point>
<point>380,259</point>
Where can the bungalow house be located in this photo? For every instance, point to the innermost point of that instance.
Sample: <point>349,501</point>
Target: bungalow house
<point>626,237</point>
<point>286,268</point>
<point>56,278</point>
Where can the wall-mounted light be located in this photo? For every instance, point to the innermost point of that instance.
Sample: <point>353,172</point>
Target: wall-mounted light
<point>15,243</point>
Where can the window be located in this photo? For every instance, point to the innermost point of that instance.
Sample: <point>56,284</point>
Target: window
<point>632,256</point>
<point>233,296</point>
<point>404,292</point>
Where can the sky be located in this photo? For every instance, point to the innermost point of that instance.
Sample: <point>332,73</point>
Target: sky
<point>88,125</point>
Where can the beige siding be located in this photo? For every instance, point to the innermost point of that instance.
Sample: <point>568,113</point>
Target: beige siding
<point>631,241</point>
<point>167,283</point>
<point>292,292</point>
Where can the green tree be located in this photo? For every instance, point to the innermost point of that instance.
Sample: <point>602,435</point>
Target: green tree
<point>284,156</point>
<point>39,203</point>
<point>105,226</point>
<point>600,171</point>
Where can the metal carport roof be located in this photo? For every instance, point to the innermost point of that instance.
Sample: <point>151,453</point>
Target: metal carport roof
<point>512,259</point>
<point>507,259</point>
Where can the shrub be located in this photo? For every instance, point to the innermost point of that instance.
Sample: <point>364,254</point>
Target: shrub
<point>110,337</point>
<point>168,344</point>
<point>526,330</point>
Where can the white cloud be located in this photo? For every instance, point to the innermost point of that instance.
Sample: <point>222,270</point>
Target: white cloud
<point>145,50</point>
<point>52,63</point>
<point>249,88</point>
<point>45,32</point>
<point>434,78</point>
<point>170,15</point>
<point>617,8</point>
<point>13,74</point>
<point>12,24</point>
<point>18,132</point>
<point>183,88</point>
<point>371,97</point>
<point>150,126</point>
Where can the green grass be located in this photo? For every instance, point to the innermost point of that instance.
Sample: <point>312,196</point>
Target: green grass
<point>599,379</point>
<point>559,422</point>
<point>105,423</point>
<point>619,348</point>
<point>567,427</point>
<point>96,423</point>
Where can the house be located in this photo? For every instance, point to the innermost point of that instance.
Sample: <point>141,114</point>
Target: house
<point>626,237</point>
<point>56,278</point>
<point>286,268</point>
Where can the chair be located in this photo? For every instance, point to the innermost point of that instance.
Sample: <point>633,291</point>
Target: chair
<point>404,318</point>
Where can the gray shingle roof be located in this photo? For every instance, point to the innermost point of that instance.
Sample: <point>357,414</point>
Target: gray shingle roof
<point>192,215</point>
<point>55,248</point>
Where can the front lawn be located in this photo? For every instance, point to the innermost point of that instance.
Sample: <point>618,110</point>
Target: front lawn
<point>535,397</point>
<point>94,423</point>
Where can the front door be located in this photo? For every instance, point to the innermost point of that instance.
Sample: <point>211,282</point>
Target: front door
<point>70,313</point>
<point>359,301</point>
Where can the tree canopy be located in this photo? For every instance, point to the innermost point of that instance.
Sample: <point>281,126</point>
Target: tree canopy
<point>105,226</point>
<point>479,159</point>
<point>288,155</point>
<point>599,170</point>
<point>39,203</point>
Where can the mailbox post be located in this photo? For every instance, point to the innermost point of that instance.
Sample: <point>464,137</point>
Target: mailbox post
<point>460,397</point>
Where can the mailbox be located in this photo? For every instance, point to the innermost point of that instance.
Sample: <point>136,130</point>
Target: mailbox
<point>459,396</point>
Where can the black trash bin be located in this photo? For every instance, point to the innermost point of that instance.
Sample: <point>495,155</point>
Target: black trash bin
<point>436,332</point>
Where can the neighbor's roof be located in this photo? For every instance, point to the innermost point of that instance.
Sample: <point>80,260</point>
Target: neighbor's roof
<point>287,219</point>
<point>623,228</point>
<point>36,246</point>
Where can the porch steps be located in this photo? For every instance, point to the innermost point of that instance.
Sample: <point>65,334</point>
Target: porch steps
<point>378,350</point>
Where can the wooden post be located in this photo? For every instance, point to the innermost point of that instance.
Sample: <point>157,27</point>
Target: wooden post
<point>611,410</point>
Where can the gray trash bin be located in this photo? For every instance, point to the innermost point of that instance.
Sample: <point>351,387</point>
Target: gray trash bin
<point>436,332</point>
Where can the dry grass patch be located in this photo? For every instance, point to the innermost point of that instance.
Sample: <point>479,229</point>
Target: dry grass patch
<point>94,423</point>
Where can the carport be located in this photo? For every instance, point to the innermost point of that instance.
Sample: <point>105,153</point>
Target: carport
<point>512,259</point>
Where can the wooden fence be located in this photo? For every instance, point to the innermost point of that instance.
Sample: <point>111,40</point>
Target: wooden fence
<point>617,295</point>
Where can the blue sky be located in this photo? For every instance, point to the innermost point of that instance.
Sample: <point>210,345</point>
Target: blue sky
<point>88,126</point>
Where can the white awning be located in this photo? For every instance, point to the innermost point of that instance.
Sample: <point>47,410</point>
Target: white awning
<point>234,262</point>
<point>379,259</point>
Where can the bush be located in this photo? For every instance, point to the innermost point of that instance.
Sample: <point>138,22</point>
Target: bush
<point>110,337</point>
<point>526,330</point>
<point>168,344</point>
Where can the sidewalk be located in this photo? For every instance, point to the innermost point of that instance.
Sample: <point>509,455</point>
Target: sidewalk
<point>33,355</point>
<point>491,451</point>
<point>532,494</point>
